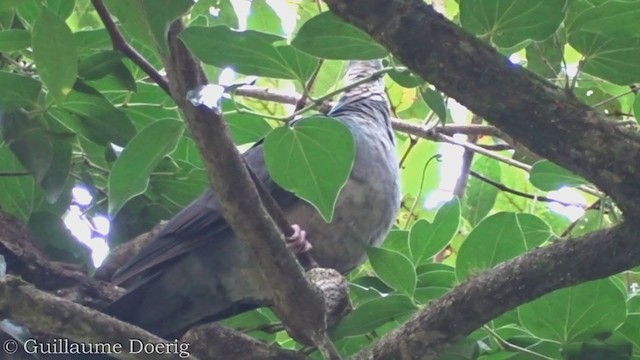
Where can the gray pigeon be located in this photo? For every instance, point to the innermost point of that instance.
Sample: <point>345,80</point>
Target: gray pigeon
<point>196,271</point>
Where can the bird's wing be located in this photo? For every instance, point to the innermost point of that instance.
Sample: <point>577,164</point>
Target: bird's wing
<point>196,225</point>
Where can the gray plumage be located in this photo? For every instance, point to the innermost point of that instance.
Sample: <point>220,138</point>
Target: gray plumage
<point>195,271</point>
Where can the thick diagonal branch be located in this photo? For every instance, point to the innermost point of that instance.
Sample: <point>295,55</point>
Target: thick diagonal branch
<point>548,120</point>
<point>296,302</point>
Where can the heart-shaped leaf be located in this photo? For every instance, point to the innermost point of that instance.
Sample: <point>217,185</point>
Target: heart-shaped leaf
<point>329,37</point>
<point>313,159</point>
<point>427,239</point>
<point>395,269</point>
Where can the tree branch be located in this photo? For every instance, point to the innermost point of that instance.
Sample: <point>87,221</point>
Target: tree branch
<point>488,295</point>
<point>297,303</point>
<point>541,116</point>
<point>121,44</point>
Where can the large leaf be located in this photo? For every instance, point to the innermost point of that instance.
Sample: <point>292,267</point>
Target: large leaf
<point>16,192</point>
<point>97,118</point>
<point>327,36</point>
<point>130,173</point>
<point>133,19</point>
<point>575,313</point>
<point>28,140</point>
<point>611,58</point>
<point>610,18</point>
<point>263,18</point>
<point>17,91</point>
<point>427,239</point>
<point>313,159</point>
<point>54,52</point>
<point>249,52</point>
<point>373,314</point>
<point>99,65</point>
<point>14,39</point>
<point>508,23</point>
<point>498,238</point>
<point>56,239</point>
<point>160,14</point>
<point>8,4</point>
<point>481,196</point>
<point>395,269</point>
<point>548,176</point>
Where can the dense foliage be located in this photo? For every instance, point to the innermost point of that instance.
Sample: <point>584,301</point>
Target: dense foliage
<point>75,112</point>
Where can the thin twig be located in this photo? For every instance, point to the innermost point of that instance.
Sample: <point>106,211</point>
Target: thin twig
<point>121,44</point>
<point>509,346</point>
<point>505,188</point>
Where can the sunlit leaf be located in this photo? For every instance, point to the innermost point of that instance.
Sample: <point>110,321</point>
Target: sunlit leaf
<point>548,176</point>
<point>249,52</point>
<point>54,52</point>
<point>327,36</point>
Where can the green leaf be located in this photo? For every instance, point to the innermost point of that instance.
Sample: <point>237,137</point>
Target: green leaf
<point>54,53</point>
<point>133,19</point>
<point>327,36</point>
<point>610,18</point>
<point>481,196</point>
<point>28,140</point>
<point>62,8</point>
<point>17,91</point>
<point>263,18</point>
<point>55,179</point>
<point>14,39</point>
<point>435,274</point>
<point>498,238</point>
<point>508,23</point>
<point>248,52</point>
<point>405,78</point>
<point>56,239</point>
<point>372,315</point>
<point>246,128</point>
<point>8,4</point>
<point>160,14</point>
<point>99,65</point>
<point>130,173</point>
<point>548,176</point>
<point>636,108</point>
<point>575,313</point>
<point>436,103</point>
<point>180,189</point>
<point>97,118</point>
<point>545,57</point>
<point>610,58</point>
<point>395,269</point>
<point>312,159</point>
<point>427,239</point>
<point>16,192</point>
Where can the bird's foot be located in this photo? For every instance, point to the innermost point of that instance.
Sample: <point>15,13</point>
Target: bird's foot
<point>297,243</point>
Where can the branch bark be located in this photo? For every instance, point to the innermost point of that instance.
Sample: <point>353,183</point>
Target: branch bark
<point>297,302</point>
<point>541,116</point>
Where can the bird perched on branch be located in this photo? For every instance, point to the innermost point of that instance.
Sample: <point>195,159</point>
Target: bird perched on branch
<point>196,271</point>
